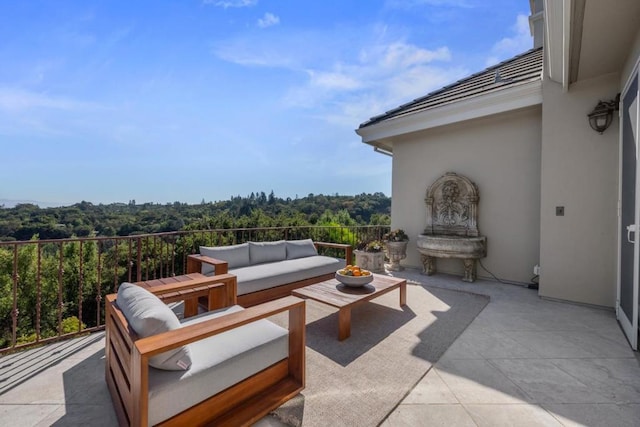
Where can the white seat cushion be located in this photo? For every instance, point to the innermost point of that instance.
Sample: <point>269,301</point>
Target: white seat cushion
<point>219,362</point>
<point>263,276</point>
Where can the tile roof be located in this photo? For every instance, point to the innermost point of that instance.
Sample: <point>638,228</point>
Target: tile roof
<point>524,68</point>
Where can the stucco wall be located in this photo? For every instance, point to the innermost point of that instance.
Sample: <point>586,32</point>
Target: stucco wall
<point>501,154</point>
<point>579,170</point>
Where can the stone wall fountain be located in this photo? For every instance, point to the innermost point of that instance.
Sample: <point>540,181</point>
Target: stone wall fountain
<point>452,225</point>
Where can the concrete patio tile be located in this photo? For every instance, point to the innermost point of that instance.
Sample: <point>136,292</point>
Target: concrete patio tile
<point>85,384</point>
<point>603,344</point>
<point>47,387</point>
<point>25,415</point>
<point>616,379</point>
<point>477,381</point>
<point>601,415</point>
<point>589,318</point>
<point>486,344</point>
<point>523,415</point>
<point>431,390</point>
<point>546,383</point>
<point>80,415</point>
<point>572,344</point>
<point>18,368</point>
<point>429,415</point>
<point>495,320</point>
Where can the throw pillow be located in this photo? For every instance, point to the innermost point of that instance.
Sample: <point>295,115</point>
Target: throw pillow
<point>148,315</point>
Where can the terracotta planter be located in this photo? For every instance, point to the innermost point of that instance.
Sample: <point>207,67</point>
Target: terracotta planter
<point>396,251</point>
<point>372,261</point>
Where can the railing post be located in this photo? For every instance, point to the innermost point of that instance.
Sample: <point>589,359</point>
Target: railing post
<point>116,258</point>
<point>14,311</point>
<point>129,262</point>
<point>99,290</point>
<point>38,293</point>
<point>60,287</point>
<point>80,285</point>
<point>139,260</point>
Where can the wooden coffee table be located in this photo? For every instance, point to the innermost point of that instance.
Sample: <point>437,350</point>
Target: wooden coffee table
<point>335,294</point>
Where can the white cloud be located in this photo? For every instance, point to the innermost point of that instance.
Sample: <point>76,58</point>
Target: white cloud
<point>401,55</point>
<point>18,100</point>
<point>268,20</point>
<point>507,47</point>
<point>380,77</point>
<point>231,3</point>
<point>333,80</point>
<point>256,54</point>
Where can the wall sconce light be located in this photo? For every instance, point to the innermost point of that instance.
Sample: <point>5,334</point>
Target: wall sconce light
<point>602,116</point>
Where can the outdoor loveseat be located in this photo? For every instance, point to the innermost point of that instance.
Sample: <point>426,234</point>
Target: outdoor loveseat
<point>269,270</point>
<point>230,366</point>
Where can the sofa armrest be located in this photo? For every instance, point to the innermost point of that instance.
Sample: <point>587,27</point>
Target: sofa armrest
<point>195,261</point>
<point>348,249</point>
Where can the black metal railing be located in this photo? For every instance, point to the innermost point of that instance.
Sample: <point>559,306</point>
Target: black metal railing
<point>54,289</point>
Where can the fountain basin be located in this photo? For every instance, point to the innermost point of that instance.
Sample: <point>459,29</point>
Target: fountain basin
<point>452,246</point>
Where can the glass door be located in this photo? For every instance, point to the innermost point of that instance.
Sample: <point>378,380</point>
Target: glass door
<point>629,237</point>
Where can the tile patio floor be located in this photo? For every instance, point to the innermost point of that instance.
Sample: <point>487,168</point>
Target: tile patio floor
<point>524,361</point>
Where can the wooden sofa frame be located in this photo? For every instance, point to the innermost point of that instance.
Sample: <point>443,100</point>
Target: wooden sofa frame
<point>195,261</point>
<point>127,362</point>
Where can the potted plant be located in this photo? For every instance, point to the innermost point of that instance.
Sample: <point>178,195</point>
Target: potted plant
<point>395,243</point>
<point>370,255</point>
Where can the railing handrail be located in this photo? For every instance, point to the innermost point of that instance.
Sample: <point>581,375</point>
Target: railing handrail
<point>182,232</point>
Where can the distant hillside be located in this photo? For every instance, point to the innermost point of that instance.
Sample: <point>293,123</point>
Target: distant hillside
<point>12,203</point>
<point>27,219</point>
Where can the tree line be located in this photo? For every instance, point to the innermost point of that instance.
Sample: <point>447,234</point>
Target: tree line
<point>258,209</point>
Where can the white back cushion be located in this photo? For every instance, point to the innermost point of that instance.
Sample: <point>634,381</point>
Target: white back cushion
<point>261,252</point>
<point>300,248</point>
<point>148,315</point>
<point>235,255</point>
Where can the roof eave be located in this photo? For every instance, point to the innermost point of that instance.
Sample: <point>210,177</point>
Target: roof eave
<point>507,99</point>
<point>558,27</point>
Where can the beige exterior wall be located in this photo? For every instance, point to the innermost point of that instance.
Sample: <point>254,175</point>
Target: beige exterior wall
<point>579,169</point>
<point>501,154</point>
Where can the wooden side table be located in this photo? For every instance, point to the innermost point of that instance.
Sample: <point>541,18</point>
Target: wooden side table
<point>219,291</point>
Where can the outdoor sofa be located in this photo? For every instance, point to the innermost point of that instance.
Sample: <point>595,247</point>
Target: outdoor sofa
<point>269,270</point>
<point>229,366</point>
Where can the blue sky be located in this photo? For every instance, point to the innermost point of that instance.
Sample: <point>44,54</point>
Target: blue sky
<point>163,101</point>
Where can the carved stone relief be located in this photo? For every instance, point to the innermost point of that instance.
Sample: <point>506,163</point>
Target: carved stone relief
<point>452,206</point>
